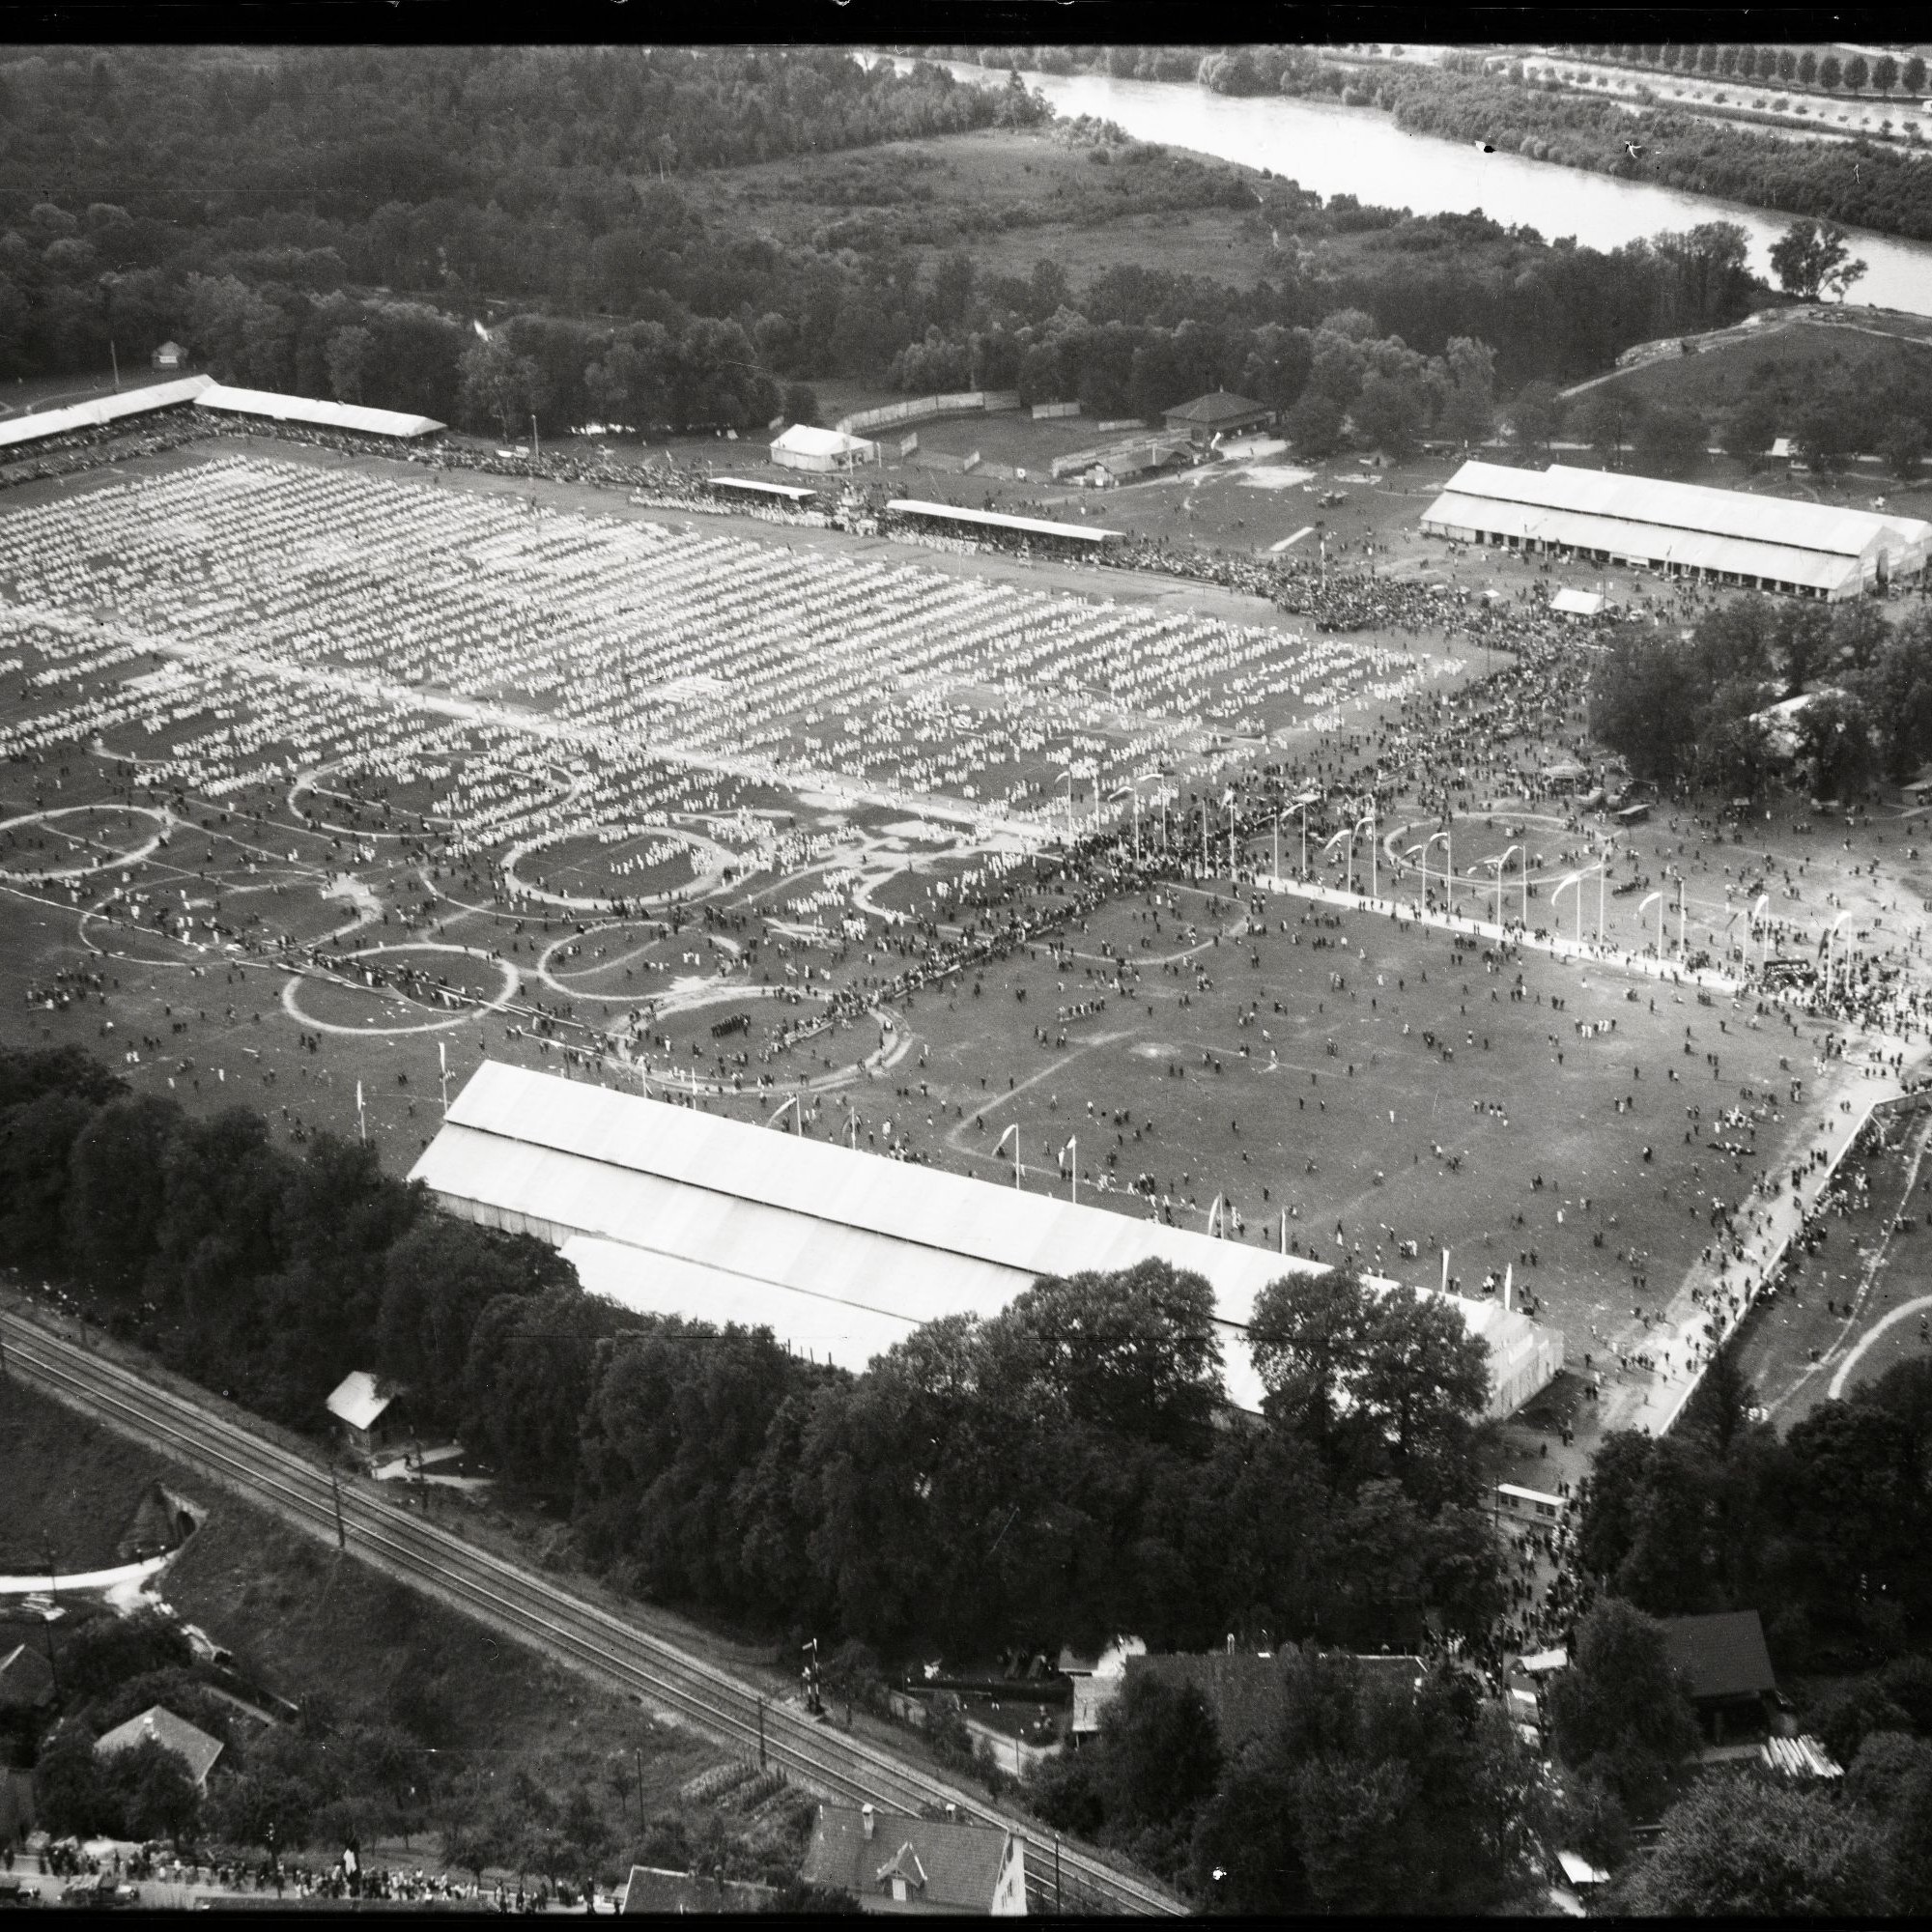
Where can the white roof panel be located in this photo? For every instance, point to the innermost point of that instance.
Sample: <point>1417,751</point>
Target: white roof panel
<point>1690,506</point>
<point>98,411</point>
<point>308,409</point>
<point>993,520</point>
<point>1660,543</point>
<point>812,1218</point>
<point>804,440</point>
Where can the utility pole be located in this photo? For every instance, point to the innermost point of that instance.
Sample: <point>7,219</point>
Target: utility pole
<point>762,1732</point>
<point>117,365</point>
<point>336,1496</point>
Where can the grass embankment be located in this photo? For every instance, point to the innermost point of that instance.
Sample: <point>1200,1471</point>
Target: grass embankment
<point>65,1484</point>
<point>325,1631</point>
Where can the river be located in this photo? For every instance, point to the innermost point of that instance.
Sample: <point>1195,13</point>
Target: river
<point>1360,151</point>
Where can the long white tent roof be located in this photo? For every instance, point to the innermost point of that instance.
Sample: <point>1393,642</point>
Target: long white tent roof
<point>100,410</point>
<point>1694,550</point>
<point>1038,526</point>
<point>351,416</point>
<point>205,392</point>
<point>1784,521</point>
<point>816,1240</point>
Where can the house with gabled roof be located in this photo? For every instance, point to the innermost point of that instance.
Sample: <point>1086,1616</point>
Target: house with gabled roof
<point>157,1724</point>
<point>365,1406</point>
<point>891,1863</point>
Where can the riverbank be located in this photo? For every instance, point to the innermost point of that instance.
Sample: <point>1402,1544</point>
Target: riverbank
<point>1359,150</point>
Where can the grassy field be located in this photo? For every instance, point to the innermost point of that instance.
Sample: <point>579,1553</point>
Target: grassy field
<point>67,1485</point>
<point>1009,197</point>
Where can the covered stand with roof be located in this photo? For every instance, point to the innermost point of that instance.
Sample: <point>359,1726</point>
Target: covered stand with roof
<point>843,1254</point>
<point>964,521</point>
<point>1220,413</point>
<point>792,496</point>
<point>1682,529</point>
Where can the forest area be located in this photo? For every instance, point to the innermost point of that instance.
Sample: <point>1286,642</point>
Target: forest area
<point>399,201</point>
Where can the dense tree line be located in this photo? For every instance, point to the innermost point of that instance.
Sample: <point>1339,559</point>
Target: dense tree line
<point>1826,1531</point>
<point>1365,1790</point>
<point>560,190</point>
<point>1677,710</point>
<point>1059,1472</point>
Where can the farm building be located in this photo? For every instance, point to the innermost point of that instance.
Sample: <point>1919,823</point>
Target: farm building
<point>1680,529</point>
<point>842,1254</point>
<point>801,447</point>
<point>1218,414</point>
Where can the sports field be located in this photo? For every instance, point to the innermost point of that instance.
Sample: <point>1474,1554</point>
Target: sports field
<point>327,784</point>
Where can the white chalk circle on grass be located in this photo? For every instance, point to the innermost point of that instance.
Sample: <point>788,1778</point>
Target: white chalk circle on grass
<point>161,818</point>
<point>709,859</point>
<point>511,987</point>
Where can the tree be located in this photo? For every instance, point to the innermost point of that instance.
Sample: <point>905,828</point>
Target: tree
<point>71,1796</point>
<point>1835,738</point>
<point>1669,442</point>
<point>1606,422</point>
<point>1620,1711</point>
<point>1914,77</point>
<point>1718,1411</point>
<point>347,355</point>
<point>1830,72</point>
<point>1313,425</point>
<point>1857,71</point>
<point>1903,447</point>
<point>1535,417</point>
<point>1390,414</point>
<point>1308,1340</point>
<point>1644,703</point>
<point>1744,1847</point>
<point>499,387</point>
<point>1807,67</point>
<point>115,1194</point>
<point>1811,258</point>
<point>1748,428</point>
<point>1134,1353</point>
<point>1884,74</point>
<point>1159,1760</point>
<point>801,403</point>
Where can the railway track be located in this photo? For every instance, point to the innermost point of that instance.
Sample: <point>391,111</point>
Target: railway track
<point>535,1610</point>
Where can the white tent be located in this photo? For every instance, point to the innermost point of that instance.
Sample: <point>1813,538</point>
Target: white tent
<point>801,447</point>
<point>1577,603</point>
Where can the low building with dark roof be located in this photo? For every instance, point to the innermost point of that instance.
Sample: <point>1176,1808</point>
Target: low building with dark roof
<point>26,1679</point>
<point>650,1890</point>
<point>1725,1668</point>
<point>1244,1689</point>
<point>157,1724</point>
<point>890,1863</point>
<point>1220,413</point>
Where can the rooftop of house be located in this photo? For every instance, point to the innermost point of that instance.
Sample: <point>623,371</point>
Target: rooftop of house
<point>946,1865</point>
<point>1720,1655</point>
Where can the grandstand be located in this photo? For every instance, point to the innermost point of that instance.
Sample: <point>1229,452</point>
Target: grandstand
<point>966,521</point>
<point>796,495</point>
<point>1681,529</point>
<point>204,392</point>
<point>97,411</point>
<point>673,1211</point>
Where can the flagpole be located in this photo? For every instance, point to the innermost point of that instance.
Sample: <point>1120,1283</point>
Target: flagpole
<point>362,1119</point>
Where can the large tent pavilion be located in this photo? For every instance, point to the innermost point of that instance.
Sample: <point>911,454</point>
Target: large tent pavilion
<point>671,1211</point>
<point>1681,529</point>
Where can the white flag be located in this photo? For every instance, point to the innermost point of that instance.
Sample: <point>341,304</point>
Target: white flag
<point>1069,1147</point>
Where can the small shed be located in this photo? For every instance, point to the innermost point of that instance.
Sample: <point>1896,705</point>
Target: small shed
<point>1725,1667</point>
<point>169,356</point>
<point>367,1411</point>
<point>1097,1679</point>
